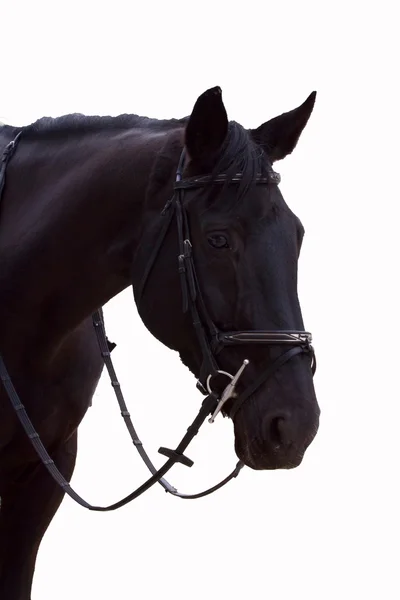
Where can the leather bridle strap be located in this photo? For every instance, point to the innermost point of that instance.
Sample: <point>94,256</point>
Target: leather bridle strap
<point>265,375</point>
<point>191,293</point>
<point>273,337</point>
<point>210,339</point>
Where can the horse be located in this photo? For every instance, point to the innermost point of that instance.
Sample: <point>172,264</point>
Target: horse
<point>93,205</point>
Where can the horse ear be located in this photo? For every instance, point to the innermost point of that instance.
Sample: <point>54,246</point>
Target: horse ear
<point>208,125</point>
<point>279,136</point>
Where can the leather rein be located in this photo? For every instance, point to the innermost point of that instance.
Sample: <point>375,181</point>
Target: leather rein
<point>210,339</point>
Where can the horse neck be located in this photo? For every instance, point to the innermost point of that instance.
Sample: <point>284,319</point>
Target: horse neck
<point>71,227</point>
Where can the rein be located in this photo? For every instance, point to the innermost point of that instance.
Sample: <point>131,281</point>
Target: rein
<point>210,339</point>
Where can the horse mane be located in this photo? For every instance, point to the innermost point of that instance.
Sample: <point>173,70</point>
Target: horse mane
<point>239,153</point>
<point>79,123</point>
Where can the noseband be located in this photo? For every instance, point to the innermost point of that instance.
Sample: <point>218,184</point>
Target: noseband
<point>211,340</point>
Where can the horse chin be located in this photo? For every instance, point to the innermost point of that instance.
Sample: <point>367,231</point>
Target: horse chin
<point>267,461</point>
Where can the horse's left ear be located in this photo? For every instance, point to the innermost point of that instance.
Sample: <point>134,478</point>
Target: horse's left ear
<point>207,126</point>
<point>279,136</point>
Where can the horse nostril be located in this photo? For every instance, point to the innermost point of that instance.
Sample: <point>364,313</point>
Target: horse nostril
<point>277,430</point>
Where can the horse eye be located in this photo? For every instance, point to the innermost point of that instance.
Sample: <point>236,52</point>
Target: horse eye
<point>218,241</point>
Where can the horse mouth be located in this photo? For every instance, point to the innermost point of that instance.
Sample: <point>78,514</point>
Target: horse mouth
<point>278,446</point>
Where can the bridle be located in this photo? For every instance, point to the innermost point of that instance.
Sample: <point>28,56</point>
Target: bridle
<point>210,339</point>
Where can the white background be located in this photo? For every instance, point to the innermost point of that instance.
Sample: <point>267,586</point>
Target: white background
<point>329,529</point>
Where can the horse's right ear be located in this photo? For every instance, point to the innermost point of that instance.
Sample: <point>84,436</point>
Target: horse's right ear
<point>207,127</point>
<point>279,136</point>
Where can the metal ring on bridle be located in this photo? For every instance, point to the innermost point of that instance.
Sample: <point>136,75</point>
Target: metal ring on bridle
<point>229,391</point>
<point>212,375</point>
